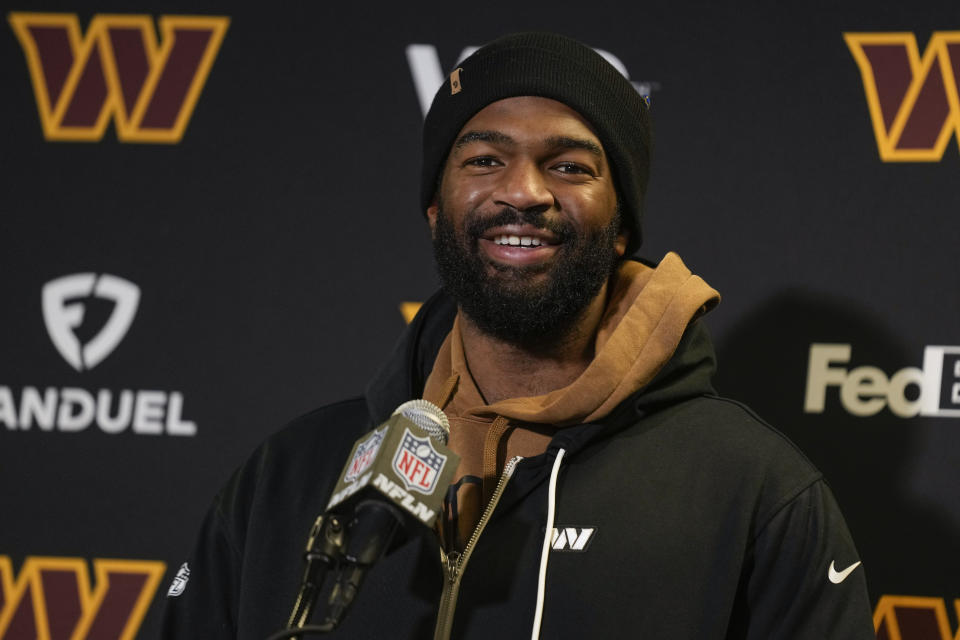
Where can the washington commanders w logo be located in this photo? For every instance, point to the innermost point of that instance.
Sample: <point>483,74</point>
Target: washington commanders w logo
<point>53,598</point>
<point>913,618</point>
<point>913,100</point>
<point>117,70</point>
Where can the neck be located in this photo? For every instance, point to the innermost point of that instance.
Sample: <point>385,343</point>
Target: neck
<point>503,370</point>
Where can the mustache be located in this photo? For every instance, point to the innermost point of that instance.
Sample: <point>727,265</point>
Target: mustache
<point>477,225</point>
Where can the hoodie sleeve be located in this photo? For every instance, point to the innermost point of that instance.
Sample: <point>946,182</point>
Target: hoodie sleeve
<point>806,580</point>
<point>201,601</point>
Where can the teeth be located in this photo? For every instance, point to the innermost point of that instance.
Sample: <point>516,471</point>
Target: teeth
<point>518,241</point>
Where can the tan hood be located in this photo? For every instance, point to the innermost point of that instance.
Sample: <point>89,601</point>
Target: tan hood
<point>647,312</point>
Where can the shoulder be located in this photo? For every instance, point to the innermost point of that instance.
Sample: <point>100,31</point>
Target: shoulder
<point>317,434</point>
<point>725,429</point>
<point>724,449</point>
<point>298,464</point>
<point>344,420</point>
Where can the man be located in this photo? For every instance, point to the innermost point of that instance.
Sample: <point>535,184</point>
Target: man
<point>604,490</point>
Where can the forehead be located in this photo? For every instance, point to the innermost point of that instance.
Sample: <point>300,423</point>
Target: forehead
<point>531,119</point>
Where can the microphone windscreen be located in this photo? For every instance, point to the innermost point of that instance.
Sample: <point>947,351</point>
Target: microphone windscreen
<point>428,417</point>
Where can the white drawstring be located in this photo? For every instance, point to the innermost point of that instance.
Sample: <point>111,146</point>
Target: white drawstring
<point>547,543</point>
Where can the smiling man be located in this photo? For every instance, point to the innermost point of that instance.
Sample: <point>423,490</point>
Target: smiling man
<point>604,490</point>
<point>537,230</point>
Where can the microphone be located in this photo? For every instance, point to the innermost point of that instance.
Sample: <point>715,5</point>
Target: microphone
<point>404,463</point>
<point>395,478</point>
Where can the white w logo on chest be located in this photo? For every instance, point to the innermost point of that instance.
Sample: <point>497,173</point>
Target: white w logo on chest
<point>572,538</point>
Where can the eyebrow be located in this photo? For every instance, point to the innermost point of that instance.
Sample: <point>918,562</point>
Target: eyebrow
<point>494,137</point>
<point>567,142</point>
<point>497,137</point>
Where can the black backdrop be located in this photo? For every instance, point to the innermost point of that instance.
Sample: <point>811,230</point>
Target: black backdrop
<point>274,235</point>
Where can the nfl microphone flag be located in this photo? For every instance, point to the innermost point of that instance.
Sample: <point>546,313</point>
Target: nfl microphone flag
<point>401,461</point>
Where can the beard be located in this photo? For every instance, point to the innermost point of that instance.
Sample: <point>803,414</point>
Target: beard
<point>505,301</point>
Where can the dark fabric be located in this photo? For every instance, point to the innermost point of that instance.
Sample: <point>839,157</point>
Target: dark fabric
<point>708,524</point>
<point>557,67</point>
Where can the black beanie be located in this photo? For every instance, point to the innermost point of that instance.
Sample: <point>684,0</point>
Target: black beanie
<point>550,66</point>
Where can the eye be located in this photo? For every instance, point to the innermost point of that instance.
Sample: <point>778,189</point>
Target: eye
<point>481,161</point>
<point>572,168</point>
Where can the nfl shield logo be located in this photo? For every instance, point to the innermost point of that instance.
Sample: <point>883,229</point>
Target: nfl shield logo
<point>366,452</point>
<point>417,463</point>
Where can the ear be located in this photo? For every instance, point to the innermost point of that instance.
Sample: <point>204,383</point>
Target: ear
<point>432,215</point>
<point>620,244</point>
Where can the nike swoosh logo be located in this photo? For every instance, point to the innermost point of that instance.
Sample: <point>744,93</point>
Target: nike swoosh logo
<point>836,577</point>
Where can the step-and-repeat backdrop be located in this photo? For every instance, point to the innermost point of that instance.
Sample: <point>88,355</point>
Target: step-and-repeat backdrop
<point>209,225</point>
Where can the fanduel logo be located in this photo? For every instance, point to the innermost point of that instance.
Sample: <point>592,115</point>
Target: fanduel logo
<point>428,73</point>
<point>63,312</point>
<point>914,101</point>
<point>117,71</point>
<point>72,409</point>
<point>866,390</point>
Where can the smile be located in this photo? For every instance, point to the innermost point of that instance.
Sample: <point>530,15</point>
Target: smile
<point>519,244</point>
<point>517,241</point>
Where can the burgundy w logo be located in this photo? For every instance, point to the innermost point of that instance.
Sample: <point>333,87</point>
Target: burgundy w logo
<point>117,70</point>
<point>52,598</point>
<point>913,101</point>
<point>913,618</point>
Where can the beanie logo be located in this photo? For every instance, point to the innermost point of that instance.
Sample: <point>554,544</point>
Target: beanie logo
<point>455,86</point>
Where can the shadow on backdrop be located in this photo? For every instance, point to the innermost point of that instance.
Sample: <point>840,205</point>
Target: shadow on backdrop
<point>908,547</point>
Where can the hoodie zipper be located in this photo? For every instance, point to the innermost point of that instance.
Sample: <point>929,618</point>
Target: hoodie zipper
<point>454,563</point>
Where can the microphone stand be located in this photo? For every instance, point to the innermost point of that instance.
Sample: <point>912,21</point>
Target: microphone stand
<point>350,548</point>
<point>324,550</point>
<point>371,529</point>
<point>352,545</point>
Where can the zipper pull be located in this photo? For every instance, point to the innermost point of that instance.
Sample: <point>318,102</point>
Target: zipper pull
<point>450,561</point>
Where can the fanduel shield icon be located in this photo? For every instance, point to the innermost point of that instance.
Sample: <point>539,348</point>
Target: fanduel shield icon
<point>63,312</point>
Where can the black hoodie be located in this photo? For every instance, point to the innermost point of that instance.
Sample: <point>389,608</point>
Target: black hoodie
<point>679,515</point>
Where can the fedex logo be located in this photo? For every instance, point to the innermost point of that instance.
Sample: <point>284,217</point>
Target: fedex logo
<point>866,390</point>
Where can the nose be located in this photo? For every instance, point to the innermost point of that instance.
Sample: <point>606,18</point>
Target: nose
<point>523,186</point>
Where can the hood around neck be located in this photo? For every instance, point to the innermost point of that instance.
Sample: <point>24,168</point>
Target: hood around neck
<point>650,340</point>
<point>647,312</point>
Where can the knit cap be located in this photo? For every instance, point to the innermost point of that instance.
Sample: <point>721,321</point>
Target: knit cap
<point>550,66</point>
